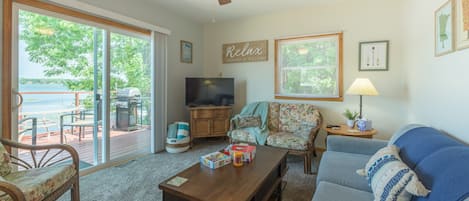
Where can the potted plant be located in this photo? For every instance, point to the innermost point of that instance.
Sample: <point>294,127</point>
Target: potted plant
<point>351,116</point>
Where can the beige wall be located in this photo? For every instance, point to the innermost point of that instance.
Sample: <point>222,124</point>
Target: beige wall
<point>182,29</point>
<point>360,20</point>
<point>438,86</point>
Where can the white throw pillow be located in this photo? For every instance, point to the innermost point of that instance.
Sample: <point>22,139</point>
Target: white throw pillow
<point>390,178</point>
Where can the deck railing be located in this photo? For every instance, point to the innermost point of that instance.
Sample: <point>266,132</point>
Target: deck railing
<point>36,123</point>
<point>39,122</point>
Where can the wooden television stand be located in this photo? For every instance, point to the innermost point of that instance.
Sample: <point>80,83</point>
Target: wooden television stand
<point>209,121</point>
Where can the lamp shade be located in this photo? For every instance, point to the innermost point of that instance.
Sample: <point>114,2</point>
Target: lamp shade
<point>362,86</point>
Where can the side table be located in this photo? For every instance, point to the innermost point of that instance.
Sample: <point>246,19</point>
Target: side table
<point>353,132</point>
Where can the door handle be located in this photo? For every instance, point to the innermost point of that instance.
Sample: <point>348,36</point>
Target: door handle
<point>20,97</point>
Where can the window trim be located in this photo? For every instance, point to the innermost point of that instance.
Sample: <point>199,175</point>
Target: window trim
<point>340,98</point>
<point>83,16</point>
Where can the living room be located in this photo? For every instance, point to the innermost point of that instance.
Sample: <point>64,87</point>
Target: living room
<point>417,86</point>
<point>414,72</point>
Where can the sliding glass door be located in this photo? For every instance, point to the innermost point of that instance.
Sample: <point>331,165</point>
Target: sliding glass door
<point>59,75</point>
<point>130,104</point>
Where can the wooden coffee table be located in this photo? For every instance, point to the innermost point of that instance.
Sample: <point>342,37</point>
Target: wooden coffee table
<point>256,181</point>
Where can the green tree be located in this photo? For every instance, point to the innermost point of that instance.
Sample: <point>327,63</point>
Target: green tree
<point>312,72</point>
<point>65,49</point>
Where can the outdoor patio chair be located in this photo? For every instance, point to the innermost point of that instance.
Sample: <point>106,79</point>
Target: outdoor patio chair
<point>24,126</point>
<point>81,120</point>
<point>43,176</point>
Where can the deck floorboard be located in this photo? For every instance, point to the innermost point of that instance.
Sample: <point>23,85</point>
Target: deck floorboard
<point>122,143</point>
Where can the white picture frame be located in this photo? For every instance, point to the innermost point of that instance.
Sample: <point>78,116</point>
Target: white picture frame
<point>373,56</point>
<point>444,29</point>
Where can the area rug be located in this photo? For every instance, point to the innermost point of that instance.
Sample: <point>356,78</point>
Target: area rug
<point>138,180</point>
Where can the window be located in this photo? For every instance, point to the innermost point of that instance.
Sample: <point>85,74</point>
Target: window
<point>309,68</point>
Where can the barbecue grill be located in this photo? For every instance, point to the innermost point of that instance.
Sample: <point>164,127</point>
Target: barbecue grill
<point>128,100</point>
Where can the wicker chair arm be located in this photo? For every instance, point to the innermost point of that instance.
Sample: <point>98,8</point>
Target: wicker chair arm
<point>73,153</point>
<point>313,133</point>
<point>13,191</point>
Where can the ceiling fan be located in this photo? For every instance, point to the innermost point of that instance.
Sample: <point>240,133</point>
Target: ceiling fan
<point>223,2</point>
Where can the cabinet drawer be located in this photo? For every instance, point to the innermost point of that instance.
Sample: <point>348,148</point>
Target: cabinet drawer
<point>207,114</point>
<point>221,113</point>
<point>202,114</point>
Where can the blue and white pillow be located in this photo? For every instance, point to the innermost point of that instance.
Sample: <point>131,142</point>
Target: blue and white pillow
<point>390,178</point>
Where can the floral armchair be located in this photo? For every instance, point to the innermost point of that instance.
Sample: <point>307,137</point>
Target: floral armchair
<point>45,173</point>
<point>291,126</point>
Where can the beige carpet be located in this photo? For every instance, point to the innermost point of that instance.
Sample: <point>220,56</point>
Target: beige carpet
<point>138,180</point>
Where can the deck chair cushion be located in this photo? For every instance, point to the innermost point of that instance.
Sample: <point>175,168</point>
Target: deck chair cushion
<point>5,165</point>
<point>38,183</point>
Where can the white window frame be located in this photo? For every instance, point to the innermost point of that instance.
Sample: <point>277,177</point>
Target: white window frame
<point>278,68</point>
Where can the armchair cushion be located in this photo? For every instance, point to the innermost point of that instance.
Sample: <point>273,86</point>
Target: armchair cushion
<point>5,167</point>
<point>246,121</point>
<point>38,183</point>
<point>287,140</point>
<point>293,115</point>
<point>241,135</point>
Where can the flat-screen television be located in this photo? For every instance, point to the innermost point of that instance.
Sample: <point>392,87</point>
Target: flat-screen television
<point>209,91</point>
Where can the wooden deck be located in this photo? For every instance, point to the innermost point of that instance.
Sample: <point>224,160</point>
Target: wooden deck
<point>122,143</point>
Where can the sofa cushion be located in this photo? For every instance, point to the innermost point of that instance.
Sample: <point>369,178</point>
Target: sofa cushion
<point>274,113</point>
<point>287,140</point>
<point>380,158</point>
<point>38,183</point>
<point>391,179</point>
<point>292,116</point>
<point>446,173</point>
<point>327,191</point>
<point>5,167</point>
<point>418,143</point>
<point>340,167</point>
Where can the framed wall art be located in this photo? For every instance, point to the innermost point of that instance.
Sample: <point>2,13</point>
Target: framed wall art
<point>444,23</point>
<point>245,51</point>
<point>373,56</point>
<point>462,23</point>
<point>186,52</point>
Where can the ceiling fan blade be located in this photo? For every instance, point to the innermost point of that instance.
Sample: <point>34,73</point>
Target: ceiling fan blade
<point>223,2</point>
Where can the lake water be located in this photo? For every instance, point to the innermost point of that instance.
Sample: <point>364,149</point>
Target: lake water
<point>44,102</point>
<point>41,105</point>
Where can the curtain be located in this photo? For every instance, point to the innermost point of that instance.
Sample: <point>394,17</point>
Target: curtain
<point>158,99</point>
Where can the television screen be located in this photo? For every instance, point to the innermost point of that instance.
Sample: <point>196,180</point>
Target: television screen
<point>209,91</point>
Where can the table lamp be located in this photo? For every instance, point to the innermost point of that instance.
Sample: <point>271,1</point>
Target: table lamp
<point>362,87</point>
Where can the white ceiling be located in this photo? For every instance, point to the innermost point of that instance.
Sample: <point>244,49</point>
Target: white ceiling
<point>206,11</point>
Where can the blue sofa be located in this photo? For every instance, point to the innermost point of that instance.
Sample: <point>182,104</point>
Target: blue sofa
<point>441,163</point>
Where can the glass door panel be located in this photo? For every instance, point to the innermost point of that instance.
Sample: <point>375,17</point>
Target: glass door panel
<point>55,75</point>
<point>130,100</point>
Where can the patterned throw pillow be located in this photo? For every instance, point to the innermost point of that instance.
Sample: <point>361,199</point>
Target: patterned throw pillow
<point>5,167</point>
<point>247,121</point>
<point>390,178</point>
